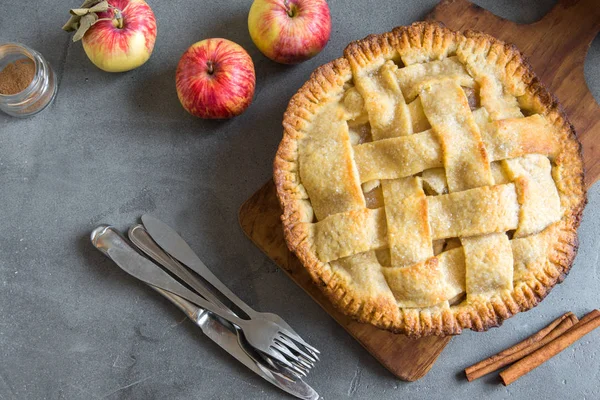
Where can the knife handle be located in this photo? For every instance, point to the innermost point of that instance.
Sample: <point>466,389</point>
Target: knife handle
<point>142,240</point>
<point>192,311</point>
<point>112,244</point>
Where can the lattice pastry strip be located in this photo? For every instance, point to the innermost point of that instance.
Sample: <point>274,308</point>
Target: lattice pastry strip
<point>364,273</point>
<point>405,156</point>
<point>530,253</point>
<point>536,193</point>
<point>352,232</point>
<point>488,265</point>
<point>465,158</point>
<point>330,175</point>
<point>398,157</point>
<point>413,77</point>
<point>408,232</point>
<point>473,212</point>
<point>388,113</point>
<point>501,105</point>
<point>515,137</point>
<point>430,282</point>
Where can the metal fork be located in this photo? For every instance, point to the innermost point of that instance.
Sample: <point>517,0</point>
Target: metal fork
<point>164,236</point>
<point>142,240</point>
<point>264,336</point>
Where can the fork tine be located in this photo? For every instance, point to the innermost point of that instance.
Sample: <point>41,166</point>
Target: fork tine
<point>285,351</point>
<point>287,373</point>
<point>304,371</point>
<point>298,364</point>
<point>301,358</point>
<point>278,356</point>
<point>299,372</point>
<point>303,365</point>
<point>306,360</point>
<point>314,352</point>
<point>300,341</point>
<point>289,343</point>
<point>313,355</point>
<point>294,369</point>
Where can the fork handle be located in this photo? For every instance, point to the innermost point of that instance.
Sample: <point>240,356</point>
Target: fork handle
<point>114,246</point>
<point>142,240</point>
<point>188,257</point>
<point>202,270</point>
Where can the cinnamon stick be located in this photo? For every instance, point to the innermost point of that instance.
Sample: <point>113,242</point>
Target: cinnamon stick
<point>521,349</point>
<point>587,324</point>
<point>589,316</point>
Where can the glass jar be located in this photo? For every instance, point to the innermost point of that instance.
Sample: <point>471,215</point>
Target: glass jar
<point>40,92</point>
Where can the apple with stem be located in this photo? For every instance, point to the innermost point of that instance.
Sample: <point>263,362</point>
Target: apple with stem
<point>289,31</point>
<point>215,79</point>
<point>117,35</point>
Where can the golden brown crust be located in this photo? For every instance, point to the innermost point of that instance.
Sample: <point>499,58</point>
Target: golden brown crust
<point>431,41</point>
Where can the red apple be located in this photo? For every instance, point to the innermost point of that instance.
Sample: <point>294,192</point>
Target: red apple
<point>289,31</point>
<point>215,79</point>
<point>125,38</point>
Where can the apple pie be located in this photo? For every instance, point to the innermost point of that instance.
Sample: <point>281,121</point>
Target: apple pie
<point>429,182</point>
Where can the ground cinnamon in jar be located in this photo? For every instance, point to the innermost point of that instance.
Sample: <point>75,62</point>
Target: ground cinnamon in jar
<point>16,76</point>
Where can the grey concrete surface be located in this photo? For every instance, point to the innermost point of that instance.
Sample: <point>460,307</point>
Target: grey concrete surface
<point>111,147</point>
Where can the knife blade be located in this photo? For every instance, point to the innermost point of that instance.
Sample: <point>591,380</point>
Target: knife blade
<point>219,331</point>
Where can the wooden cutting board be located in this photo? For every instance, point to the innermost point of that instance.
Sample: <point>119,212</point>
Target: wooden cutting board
<point>556,47</point>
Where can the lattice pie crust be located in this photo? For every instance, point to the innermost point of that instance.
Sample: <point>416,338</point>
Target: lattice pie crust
<point>429,183</point>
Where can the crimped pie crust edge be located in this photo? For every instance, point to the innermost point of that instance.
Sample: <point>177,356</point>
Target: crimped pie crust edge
<point>416,322</point>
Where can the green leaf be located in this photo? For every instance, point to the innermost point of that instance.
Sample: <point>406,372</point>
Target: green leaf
<point>84,24</point>
<point>87,11</point>
<point>80,12</point>
<point>72,24</point>
<point>100,7</point>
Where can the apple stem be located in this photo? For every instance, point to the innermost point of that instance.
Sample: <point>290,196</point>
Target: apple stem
<point>288,8</point>
<point>211,67</point>
<point>119,18</point>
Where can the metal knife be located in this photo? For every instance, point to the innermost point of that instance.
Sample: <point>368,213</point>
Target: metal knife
<point>109,241</point>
